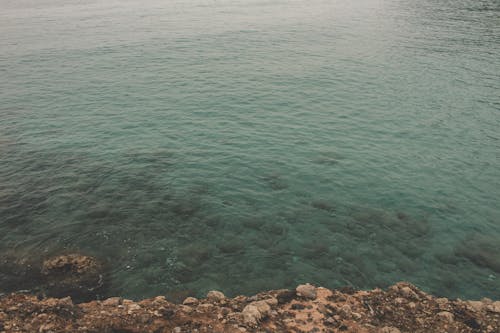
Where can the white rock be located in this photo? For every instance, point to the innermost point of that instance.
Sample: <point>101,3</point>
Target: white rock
<point>307,291</point>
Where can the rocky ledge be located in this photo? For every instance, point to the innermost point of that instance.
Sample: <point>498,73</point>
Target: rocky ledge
<point>400,308</point>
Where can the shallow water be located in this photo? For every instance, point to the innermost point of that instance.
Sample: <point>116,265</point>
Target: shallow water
<point>242,145</point>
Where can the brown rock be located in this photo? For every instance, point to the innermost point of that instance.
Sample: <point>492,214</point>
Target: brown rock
<point>251,315</point>
<point>388,329</point>
<point>75,275</point>
<point>190,301</point>
<point>446,316</point>
<point>215,296</point>
<point>113,301</point>
<point>307,291</point>
<point>494,307</point>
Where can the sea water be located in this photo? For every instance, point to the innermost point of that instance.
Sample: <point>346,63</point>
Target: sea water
<point>243,145</point>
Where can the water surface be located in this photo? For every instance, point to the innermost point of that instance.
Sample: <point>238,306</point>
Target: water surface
<point>249,144</point>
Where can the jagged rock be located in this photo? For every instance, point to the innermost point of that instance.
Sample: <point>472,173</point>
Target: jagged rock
<point>76,275</point>
<point>352,311</point>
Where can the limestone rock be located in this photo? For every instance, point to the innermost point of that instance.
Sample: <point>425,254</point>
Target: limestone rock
<point>477,306</point>
<point>215,296</point>
<point>75,275</point>
<point>190,301</point>
<point>307,291</point>
<point>262,306</point>
<point>447,316</point>
<point>494,307</point>
<point>251,315</point>
<point>113,301</point>
<point>408,292</point>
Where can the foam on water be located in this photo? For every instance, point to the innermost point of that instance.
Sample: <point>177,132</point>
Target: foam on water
<point>248,145</point>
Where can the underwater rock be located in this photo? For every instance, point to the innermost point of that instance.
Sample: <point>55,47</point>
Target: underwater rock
<point>75,275</point>
<point>231,245</point>
<point>253,223</point>
<point>195,254</point>
<point>482,250</point>
<point>275,182</point>
<point>323,205</point>
<point>18,273</point>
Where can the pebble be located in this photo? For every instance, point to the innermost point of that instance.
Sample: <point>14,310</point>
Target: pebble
<point>307,291</point>
<point>447,316</point>
<point>357,315</point>
<point>215,296</point>
<point>177,330</point>
<point>399,300</point>
<point>388,329</point>
<point>346,310</point>
<point>133,307</point>
<point>441,300</point>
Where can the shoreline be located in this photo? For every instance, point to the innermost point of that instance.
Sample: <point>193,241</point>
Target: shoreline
<point>400,308</point>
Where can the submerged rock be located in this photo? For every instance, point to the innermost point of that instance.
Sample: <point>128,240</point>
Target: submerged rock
<point>75,275</point>
<point>482,250</point>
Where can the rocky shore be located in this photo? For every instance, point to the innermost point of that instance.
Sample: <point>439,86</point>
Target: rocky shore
<point>400,308</point>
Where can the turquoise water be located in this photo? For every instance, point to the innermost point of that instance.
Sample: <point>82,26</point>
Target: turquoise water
<point>253,144</point>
